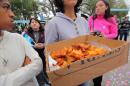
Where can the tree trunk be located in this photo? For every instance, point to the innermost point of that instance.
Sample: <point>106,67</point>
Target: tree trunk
<point>52,6</point>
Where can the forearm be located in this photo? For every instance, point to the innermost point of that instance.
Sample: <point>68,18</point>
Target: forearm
<point>21,75</point>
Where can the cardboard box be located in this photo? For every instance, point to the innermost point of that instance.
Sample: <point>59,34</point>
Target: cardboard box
<point>84,70</point>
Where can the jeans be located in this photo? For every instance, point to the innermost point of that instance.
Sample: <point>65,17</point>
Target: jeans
<point>124,34</point>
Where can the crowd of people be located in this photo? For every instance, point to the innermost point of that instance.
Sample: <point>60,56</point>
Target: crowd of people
<point>30,45</point>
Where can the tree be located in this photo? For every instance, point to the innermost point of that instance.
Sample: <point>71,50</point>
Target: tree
<point>24,7</point>
<point>48,7</point>
<point>88,6</point>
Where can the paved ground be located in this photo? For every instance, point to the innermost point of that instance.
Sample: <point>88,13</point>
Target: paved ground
<point>119,76</point>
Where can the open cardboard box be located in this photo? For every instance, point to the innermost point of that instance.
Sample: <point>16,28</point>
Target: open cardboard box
<point>84,70</point>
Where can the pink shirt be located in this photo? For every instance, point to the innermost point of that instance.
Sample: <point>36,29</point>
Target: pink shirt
<point>108,28</point>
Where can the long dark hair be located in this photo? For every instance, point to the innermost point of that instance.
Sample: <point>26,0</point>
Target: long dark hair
<point>107,14</point>
<point>60,5</point>
<point>30,30</point>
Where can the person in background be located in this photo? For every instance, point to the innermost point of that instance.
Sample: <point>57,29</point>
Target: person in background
<point>124,28</point>
<point>36,32</point>
<point>67,24</point>
<point>105,24</point>
<point>13,50</point>
<point>118,22</point>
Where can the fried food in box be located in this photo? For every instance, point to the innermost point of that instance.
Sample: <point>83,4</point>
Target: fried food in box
<point>59,54</point>
<point>76,52</point>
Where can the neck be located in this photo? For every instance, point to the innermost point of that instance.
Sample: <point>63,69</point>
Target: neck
<point>100,15</point>
<point>70,13</point>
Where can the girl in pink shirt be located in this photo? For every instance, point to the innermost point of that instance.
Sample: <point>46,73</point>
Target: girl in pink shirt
<point>104,23</point>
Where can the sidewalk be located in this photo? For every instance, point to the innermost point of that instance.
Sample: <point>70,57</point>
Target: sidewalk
<point>119,76</point>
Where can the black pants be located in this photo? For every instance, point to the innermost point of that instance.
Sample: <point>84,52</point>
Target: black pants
<point>97,81</point>
<point>124,34</point>
<point>117,35</point>
<point>42,78</point>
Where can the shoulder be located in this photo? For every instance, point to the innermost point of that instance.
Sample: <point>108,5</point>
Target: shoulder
<point>53,21</point>
<point>15,37</point>
<point>56,18</point>
<point>112,20</point>
<point>90,18</point>
<point>51,24</point>
<point>12,35</point>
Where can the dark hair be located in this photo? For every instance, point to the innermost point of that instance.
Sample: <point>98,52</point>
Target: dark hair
<point>41,29</point>
<point>107,12</point>
<point>60,5</point>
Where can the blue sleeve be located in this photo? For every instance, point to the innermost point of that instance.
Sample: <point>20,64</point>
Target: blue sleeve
<point>29,39</point>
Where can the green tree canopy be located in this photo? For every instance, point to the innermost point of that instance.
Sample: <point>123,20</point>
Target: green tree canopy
<point>24,7</point>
